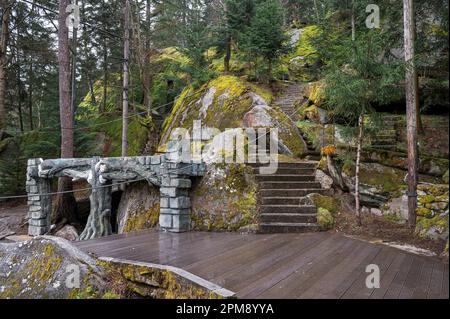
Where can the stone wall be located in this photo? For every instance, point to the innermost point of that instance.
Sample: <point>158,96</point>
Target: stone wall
<point>432,211</point>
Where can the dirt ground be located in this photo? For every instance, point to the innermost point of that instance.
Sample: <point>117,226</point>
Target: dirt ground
<point>379,228</point>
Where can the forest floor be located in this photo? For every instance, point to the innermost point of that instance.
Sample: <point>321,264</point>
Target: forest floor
<point>381,229</point>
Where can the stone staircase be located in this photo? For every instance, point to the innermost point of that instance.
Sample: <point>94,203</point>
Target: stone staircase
<point>286,101</point>
<point>386,138</point>
<point>284,205</point>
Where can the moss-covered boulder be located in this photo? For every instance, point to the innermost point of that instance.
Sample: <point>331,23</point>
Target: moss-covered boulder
<point>225,199</point>
<point>48,267</point>
<point>325,218</point>
<point>138,208</point>
<point>222,103</point>
<point>432,211</point>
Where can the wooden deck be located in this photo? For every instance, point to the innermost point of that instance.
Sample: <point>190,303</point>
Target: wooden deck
<point>311,265</point>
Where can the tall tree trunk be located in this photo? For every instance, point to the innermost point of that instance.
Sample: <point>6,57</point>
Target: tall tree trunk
<point>30,96</point>
<point>73,90</point>
<point>358,163</point>
<point>105,76</point>
<point>6,12</point>
<point>147,78</point>
<point>227,58</point>
<point>411,109</point>
<point>19,98</point>
<point>65,209</point>
<point>126,79</point>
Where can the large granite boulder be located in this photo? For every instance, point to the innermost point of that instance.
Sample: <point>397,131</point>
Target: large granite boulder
<point>229,102</point>
<point>225,199</point>
<point>48,267</point>
<point>138,208</point>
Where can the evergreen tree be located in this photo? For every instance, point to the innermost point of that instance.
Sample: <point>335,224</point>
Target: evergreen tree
<point>265,37</point>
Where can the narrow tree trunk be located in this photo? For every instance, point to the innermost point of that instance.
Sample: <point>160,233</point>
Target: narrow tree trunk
<point>30,96</point>
<point>411,109</point>
<point>358,162</point>
<point>19,98</point>
<point>147,81</point>
<point>6,12</point>
<point>105,76</point>
<point>126,80</point>
<point>227,58</point>
<point>65,209</point>
<point>73,90</point>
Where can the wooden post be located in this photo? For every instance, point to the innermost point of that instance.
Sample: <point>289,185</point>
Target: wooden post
<point>411,107</point>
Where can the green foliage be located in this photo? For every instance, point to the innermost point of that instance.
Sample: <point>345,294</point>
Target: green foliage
<point>265,36</point>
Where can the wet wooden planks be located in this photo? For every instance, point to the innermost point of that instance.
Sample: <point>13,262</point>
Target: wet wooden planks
<point>310,265</point>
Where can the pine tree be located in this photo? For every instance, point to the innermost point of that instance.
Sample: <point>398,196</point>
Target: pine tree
<point>265,36</point>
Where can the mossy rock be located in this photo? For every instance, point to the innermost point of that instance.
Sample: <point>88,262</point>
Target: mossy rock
<point>325,218</point>
<point>40,269</point>
<point>329,203</point>
<point>433,228</point>
<point>232,98</point>
<point>424,212</point>
<point>225,199</point>
<point>138,208</point>
<point>445,177</point>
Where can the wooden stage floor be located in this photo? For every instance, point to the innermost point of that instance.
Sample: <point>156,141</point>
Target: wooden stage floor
<point>311,265</point>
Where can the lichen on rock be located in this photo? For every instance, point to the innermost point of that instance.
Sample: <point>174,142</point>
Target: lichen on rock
<point>223,103</point>
<point>225,199</point>
<point>138,208</point>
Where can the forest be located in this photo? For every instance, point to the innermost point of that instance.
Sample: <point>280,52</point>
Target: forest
<point>358,91</point>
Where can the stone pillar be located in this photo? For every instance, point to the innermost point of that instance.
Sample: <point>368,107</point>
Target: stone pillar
<point>39,206</point>
<point>175,204</point>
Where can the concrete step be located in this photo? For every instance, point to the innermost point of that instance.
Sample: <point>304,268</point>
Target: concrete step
<point>288,227</point>
<point>291,170</point>
<point>290,192</point>
<point>288,218</point>
<point>285,178</point>
<point>288,209</point>
<point>281,200</point>
<point>303,164</point>
<point>289,185</point>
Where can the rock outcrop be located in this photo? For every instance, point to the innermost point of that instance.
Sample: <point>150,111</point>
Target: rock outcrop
<point>138,208</point>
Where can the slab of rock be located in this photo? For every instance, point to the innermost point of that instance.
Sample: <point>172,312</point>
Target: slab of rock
<point>68,232</point>
<point>48,267</point>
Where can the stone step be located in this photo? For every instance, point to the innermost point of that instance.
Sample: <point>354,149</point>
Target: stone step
<point>288,218</point>
<point>303,164</point>
<point>281,200</point>
<point>288,209</point>
<point>287,227</point>
<point>312,157</point>
<point>285,178</point>
<point>289,185</point>
<point>290,192</point>
<point>290,170</point>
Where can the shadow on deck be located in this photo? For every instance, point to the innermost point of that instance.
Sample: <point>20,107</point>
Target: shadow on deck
<point>310,265</point>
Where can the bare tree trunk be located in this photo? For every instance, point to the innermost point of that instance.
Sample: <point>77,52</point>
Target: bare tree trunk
<point>227,58</point>
<point>126,80</point>
<point>105,76</point>
<point>65,209</point>
<point>6,12</point>
<point>411,109</point>
<point>19,98</point>
<point>147,78</point>
<point>30,96</point>
<point>73,90</point>
<point>358,162</point>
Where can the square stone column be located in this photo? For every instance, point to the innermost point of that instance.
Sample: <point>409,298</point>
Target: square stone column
<point>174,214</point>
<point>39,206</point>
